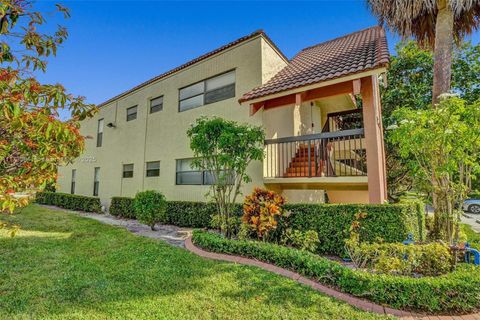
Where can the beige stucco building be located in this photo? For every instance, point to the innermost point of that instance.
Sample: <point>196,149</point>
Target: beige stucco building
<point>317,142</point>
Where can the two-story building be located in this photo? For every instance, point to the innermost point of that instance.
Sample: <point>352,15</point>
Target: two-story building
<point>321,113</point>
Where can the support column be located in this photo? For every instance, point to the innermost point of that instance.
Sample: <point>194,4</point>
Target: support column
<point>372,120</point>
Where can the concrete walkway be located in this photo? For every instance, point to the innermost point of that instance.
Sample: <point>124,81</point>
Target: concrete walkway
<point>173,235</point>
<point>473,220</point>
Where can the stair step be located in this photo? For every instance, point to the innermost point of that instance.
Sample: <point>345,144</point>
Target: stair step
<point>300,170</point>
<point>302,164</point>
<point>303,159</point>
<point>299,175</point>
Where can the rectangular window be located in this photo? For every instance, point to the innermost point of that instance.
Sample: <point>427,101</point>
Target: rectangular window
<point>156,104</point>
<point>128,170</point>
<point>72,185</point>
<point>132,113</point>
<point>100,133</point>
<point>153,169</point>
<point>96,181</point>
<point>211,90</point>
<point>186,175</point>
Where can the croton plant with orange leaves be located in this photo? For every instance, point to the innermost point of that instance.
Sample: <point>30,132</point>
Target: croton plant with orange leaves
<point>33,140</point>
<point>261,211</point>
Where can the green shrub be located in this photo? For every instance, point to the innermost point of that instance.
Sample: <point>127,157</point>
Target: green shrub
<point>427,259</point>
<point>122,207</point>
<point>458,291</point>
<point>193,214</point>
<point>307,240</point>
<point>388,222</point>
<point>150,207</point>
<point>474,195</point>
<point>217,222</point>
<point>391,222</point>
<point>69,201</point>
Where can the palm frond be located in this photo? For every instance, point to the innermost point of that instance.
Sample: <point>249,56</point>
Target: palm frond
<point>417,18</point>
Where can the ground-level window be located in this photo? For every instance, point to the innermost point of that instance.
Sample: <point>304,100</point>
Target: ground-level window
<point>96,181</point>
<point>128,170</point>
<point>132,113</point>
<point>72,184</point>
<point>153,169</point>
<point>186,175</point>
<point>211,90</point>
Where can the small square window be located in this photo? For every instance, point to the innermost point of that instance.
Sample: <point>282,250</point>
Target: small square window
<point>153,169</point>
<point>128,170</point>
<point>132,113</point>
<point>156,104</point>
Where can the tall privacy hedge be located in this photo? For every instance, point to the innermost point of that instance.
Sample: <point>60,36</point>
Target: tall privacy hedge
<point>69,201</point>
<point>390,222</point>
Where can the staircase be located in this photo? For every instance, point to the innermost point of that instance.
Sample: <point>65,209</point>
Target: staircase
<point>335,158</point>
<point>305,164</point>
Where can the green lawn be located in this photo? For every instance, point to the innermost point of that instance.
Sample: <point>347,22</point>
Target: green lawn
<point>61,266</point>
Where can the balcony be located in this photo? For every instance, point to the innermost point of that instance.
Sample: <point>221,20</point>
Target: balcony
<point>319,157</point>
<point>334,160</point>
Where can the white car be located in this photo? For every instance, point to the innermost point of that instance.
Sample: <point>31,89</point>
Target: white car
<point>471,205</point>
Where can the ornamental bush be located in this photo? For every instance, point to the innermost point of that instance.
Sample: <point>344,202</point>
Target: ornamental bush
<point>150,207</point>
<point>122,207</point>
<point>384,222</point>
<point>457,291</point>
<point>261,211</point>
<point>307,240</point>
<point>429,259</point>
<point>194,214</point>
<point>69,201</point>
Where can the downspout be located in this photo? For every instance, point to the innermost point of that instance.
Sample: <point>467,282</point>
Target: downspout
<point>121,164</point>
<point>145,151</point>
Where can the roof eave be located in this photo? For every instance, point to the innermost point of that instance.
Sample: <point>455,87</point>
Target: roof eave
<point>210,54</point>
<point>364,73</point>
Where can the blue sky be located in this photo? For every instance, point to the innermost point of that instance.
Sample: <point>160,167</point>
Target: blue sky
<point>115,45</point>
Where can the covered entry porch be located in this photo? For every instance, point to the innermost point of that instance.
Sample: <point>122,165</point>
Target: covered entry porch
<point>323,121</point>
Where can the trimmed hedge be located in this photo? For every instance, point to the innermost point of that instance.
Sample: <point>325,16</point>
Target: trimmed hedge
<point>178,213</point>
<point>122,207</point>
<point>458,291</point>
<point>390,222</point>
<point>193,214</point>
<point>69,201</point>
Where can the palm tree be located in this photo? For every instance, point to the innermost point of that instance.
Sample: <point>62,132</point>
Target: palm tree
<point>435,24</point>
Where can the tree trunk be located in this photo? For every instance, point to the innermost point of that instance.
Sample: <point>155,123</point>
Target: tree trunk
<point>442,68</point>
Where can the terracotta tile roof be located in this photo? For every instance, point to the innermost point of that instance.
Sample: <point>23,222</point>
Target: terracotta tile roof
<point>198,59</point>
<point>356,52</point>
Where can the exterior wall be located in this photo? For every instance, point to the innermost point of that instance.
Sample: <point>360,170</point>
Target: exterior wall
<point>272,62</point>
<point>161,136</point>
<point>304,196</point>
<point>348,196</point>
